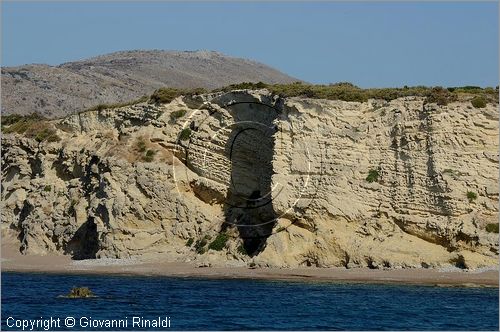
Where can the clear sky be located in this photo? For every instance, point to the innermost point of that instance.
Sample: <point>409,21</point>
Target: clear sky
<point>368,44</point>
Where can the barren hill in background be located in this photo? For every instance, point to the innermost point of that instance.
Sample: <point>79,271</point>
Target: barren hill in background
<point>56,91</point>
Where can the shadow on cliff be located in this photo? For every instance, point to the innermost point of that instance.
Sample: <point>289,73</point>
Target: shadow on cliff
<point>250,147</point>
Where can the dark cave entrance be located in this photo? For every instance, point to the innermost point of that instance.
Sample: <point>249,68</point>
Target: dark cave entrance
<point>85,243</point>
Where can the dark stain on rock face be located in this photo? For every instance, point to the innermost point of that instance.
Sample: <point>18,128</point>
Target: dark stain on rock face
<point>250,147</point>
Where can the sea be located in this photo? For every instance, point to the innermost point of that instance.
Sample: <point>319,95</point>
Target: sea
<point>34,301</point>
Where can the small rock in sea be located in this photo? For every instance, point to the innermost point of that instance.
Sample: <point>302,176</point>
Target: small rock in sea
<point>80,292</point>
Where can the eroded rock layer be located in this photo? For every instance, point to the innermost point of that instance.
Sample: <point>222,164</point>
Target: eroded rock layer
<point>240,177</point>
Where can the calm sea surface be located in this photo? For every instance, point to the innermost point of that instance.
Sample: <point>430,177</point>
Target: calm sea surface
<point>200,304</point>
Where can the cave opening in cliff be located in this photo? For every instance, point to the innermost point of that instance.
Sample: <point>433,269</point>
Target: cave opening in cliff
<point>250,148</point>
<point>84,244</point>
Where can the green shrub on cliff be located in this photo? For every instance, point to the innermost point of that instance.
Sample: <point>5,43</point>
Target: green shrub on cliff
<point>492,228</point>
<point>19,123</point>
<point>165,95</point>
<point>140,144</point>
<point>471,196</point>
<point>33,126</point>
<point>45,133</point>
<point>149,156</point>
<point>200,244</point>
<point>102,107</point>
<point>440,96</point>
<point>478,102</point>
<point>241,249</point>
<point>177,114</point>
<point>185,134</point>
<point>8,120</point>
<point>372,176</point>
<point>219,243</point>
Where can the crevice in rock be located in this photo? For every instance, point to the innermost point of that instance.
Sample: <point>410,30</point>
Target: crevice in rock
<point>434,186</point>
<point>428,237</point>
<point>61,171</point>
<point>36,166</point>
<point>25,212</point>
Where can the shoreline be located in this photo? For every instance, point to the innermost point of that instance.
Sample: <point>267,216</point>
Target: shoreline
<point>485,281</point>
<point>53,264</point>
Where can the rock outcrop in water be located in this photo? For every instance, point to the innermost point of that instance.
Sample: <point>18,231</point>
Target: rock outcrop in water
<point>246,176</point>
<point>80,293</point>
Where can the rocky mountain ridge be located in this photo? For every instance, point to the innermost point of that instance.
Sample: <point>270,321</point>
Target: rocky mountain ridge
<point>56,91</point>
<point>248,177</point>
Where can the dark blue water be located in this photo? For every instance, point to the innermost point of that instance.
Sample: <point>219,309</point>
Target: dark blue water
<point>199,304</point>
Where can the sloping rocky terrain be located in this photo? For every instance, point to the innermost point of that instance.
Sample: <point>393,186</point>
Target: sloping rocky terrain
<point>247,177</point>
<point>56,91</point>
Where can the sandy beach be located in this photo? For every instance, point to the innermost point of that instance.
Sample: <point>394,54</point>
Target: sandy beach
<point>13,261</point>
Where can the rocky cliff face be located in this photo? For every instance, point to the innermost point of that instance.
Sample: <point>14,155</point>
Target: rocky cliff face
<point>240,177</point>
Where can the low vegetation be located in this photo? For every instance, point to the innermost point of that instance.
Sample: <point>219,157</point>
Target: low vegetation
<point>38,128</point>
<point>101,107</point>
<point>471,196</point>
<point>349,92</point>
<point>219,243</point>
<point>144,154</point>
<point>200,244</point>
<point>166,95</point>
<point>140,144</point>
<point>338,91</point>
<point>8,120</point>
<point>149,156</point>
<point>185,134</point>
<point>241,249</point>
<point>478,102</point>
<point>33,126</point>
<point>492,228</point>
<point>345,91</point>
<point>372,176</point>
<point>177,114</point>
<point>189,242</point>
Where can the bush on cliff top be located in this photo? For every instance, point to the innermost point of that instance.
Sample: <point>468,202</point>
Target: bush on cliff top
<point>101,107</point>
<point>33,126</point>
<point>166,95</point>
<point>338,91</point>
<point>349,92</point>
<point>478,102</point>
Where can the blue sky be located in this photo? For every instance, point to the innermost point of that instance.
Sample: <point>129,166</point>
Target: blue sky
<point>369,44</point>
